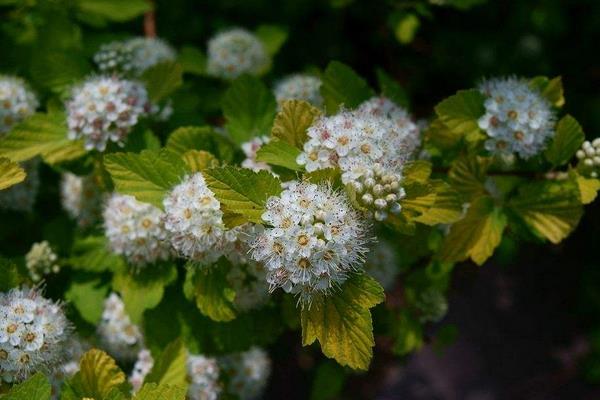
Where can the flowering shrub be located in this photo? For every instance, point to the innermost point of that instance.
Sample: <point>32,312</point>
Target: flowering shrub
<point>209,204</point>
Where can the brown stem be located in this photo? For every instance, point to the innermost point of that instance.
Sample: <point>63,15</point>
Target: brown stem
<point>150,22</point>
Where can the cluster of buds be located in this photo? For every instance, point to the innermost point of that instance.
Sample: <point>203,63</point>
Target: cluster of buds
<point>118,335</point>
<point>379,192</point>
<point>589,157</point>
<point>41,260</point>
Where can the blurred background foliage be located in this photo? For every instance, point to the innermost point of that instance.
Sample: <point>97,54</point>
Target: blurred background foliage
<point>432,48</point>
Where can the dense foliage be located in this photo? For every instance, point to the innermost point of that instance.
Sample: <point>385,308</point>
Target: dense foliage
<point>172,207</point>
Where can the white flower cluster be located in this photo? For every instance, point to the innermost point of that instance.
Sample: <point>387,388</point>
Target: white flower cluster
<point>194,220</point>
<point>203,374</point>
<point>135,230</point>
<point>105,109</point>
<point>142,367</point>
<point>21,197</point>
<point>41,260</point>
<point>589,156</point>
<point>370,148</point>
<point>33,333</point>
<point>74,349</point>
<point>248,373</point>
<point>408,129</point>
<point>133,56</point>
<point>81,198</point>
<point>118,336</point>
<point>517,119</point>
<point>382,264</point>
<point>250,149</point>
<point>314,240</point>
<point>299,87</point>
<point>17,102</point>
<point>235,52</point>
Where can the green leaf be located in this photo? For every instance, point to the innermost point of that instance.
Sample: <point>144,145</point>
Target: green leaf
<point>171,367</point>
<point>36,387</point>
<point>460,113</point>
<point>204,138</point>
<point>242,191</point>
<point>162,79</point>
<point>551,89</point>
<point>11,275</point>
<point>439,135</point>
<point>292,122</point>
<point>147,176</point>
<point>342,324</point>
<point>150,391</point>
<point>343,87</point>
<point>41,134</point>
<point>115,10</point>
<point>214,296</point>
<point>567,140</point>
<point>406,28</point>
<point>446,208</point>
<point>11,173</point>
<point>192,60</point>
<point>417,171</point>
<point>88,298</point>
<point>58,71</point>
<point>392,89</point>
<point>143,290</point>
<point>331,176</point>
<point>249,108</point>
<point>280,153</point>
<point>329,381</point>
<point>272,37</point>
<point>476,235</point>
<point>91,254</point>
<point>199,160</point>
<point>467,176</point>
<point>98,376</point>
<point>552,209</point>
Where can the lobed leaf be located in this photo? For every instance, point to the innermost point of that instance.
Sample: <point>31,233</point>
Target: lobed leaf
<point>214,296</point>
<point>342,323</point>
<point>171,367</point>
<point>152,391</point>
<point>36,387</point>
<point>204,138</point>
<point>162,79</point>
<point>567,140</point>
<point>98,376</point>
<point>280,153</point>
<point>11,173</point>
<point>343,87</point>
<point>460,113</point>
<point>292,122</point>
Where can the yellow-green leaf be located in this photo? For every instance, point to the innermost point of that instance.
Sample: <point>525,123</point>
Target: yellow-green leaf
<point>588,188</point>
<point>152,391</point>
<point>187,138</point>
<point>11,173</point>
<point>214,296</point>
<point>242,191</point>
<point>476,235</point>
<point>467,176</point>
<point>41,134</point>
<point>162,79</point>
<point>446,208</point>
<point>280,153</point>
<point>552,209</point>
<point>460,113</point>
<point>342,323</point>
<point>171,367</point>
<point>551,89</point>
<point>567,140</point>
<point>291,123</point>
<point>199,160</point>
<point>147,176</point>
<point>35,388</point>
<point>98,375</point>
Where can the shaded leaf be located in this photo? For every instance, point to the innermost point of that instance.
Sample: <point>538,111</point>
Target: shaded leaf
<point>115,10</point>
<point>214,296</point>
<point>342,86</point>
<point>204,138</point>
<point>162,79</point>
<point>272,37</point>
<point>467,176</point>
<point>551,89</point>
<point>11,173</point>
<point>567,140</point>
<point>460,113</point>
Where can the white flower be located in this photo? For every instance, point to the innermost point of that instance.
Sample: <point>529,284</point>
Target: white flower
<point>299,87</point>
<point>248,373</point>
<point>250,149</point>
<point>41,260</point>
<point>81,198</point>
<point>382,264</point>
<point>203,374</point>
<point>589,158</point>
<point>235,52</point>
<point>17,102</point>
<point>135,230</point>
<point>194,221</point>
<point>314,239</point>
<point>133,56</point>
<point>21,197</point>
<point>105,109</point>
<point>142,367</point>
<point>517,118</point>
<point>370,146</point>
<point>118,335</point>
<point>33,334</point>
